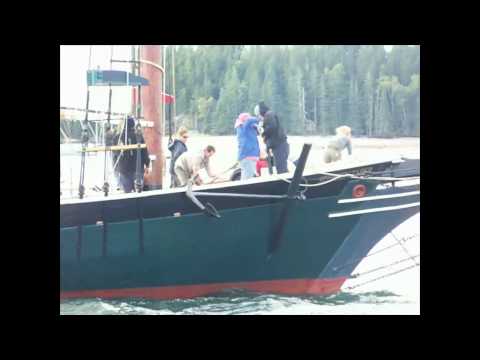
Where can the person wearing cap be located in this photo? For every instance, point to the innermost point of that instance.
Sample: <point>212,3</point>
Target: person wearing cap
<point>343,140</point>
<point>177,148</point>
<point>246,127</point>
<point>274,137</point>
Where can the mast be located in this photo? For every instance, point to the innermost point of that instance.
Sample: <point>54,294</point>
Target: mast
<point>173,85</point>
<point>151,104</point>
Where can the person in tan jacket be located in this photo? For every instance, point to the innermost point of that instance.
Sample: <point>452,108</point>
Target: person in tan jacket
<point>189,164</point>
<point>342,141</point>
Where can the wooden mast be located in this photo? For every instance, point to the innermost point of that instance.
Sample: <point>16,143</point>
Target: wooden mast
<point>152,109</point>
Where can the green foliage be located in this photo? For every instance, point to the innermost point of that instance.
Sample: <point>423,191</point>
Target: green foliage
<point>375,92</point>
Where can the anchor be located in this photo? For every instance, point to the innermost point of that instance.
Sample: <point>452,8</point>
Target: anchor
<point>208,208</point>
<point>291,197</point>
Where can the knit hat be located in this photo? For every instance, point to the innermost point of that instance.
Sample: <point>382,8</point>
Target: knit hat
<point>130,123</point>
<point>241,119</point>
<point>263,108</point>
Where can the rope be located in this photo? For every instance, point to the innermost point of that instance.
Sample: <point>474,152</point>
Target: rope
<point>403,247</point>
<point>335,178</point>
<point>169,109</point>
<point>116,163</point>
<point>404,239</point>
<point>138,166</point>
<point>386,179</point>
<point>381,277</point>
<point>120,129</point>
<point>139,88</point>
<point>353,276</point>
<point>351,176</point>
<point>81,187</point>
<point>106,130</point>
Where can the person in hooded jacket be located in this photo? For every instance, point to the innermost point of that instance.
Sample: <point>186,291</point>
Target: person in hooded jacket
<point>126,160</point>
<point>248,148</point>
<point>177,148</point>
<point>274,137</point>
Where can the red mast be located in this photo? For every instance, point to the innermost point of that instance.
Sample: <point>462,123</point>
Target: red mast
<point>152,106</point>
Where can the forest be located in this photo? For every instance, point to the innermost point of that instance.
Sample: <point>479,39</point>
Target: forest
<point>312,88</point>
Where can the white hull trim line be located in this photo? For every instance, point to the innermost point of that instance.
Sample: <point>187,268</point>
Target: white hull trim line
<point>399,184</point>
<point>378,197</point>
<point>366,211</point>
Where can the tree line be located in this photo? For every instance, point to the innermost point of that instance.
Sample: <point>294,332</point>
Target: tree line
<point>313,88</point>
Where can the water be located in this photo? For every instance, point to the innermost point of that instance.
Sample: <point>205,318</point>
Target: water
<point>396,294</point>
<point>375,302</point>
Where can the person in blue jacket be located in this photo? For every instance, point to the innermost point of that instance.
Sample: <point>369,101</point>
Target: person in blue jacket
<point>246,127</point>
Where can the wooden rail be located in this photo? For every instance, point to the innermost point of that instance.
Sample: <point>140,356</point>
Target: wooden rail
<point>115,148</point>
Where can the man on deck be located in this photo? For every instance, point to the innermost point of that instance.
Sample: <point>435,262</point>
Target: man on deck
<point>189,164</point>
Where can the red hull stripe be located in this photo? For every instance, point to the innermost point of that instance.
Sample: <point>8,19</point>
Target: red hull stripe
<point>289,287</point>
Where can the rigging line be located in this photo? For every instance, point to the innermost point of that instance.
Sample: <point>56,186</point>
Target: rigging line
<point>403,247</point>
<point>335,178</point>
<point>170,106</point>
<point>381,277</point>
<point>173,84</point>
<point>106,131</point>
<point>119,131</point>
<point>67,139</point>
<point>90,111</point>
<point>404,239</point>
<point>64,129</point>
<point>164,82</point>
<point>81,187</point>
<point>387,179</point>
<point>116,163</point>
<point>353,276</point>
<point>339,176</point>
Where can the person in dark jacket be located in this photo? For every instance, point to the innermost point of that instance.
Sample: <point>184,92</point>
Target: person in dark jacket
<point>126,169</point>
<point>274,137</point>
<point>177,148</point>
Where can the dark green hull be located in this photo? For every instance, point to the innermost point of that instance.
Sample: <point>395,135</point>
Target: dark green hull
<point>195,254</point>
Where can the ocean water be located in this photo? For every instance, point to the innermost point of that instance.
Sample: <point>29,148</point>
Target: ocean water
<point>388,284</point>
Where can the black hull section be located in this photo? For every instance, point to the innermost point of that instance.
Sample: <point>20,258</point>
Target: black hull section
<point>135,246</point>
<point>371,229</point>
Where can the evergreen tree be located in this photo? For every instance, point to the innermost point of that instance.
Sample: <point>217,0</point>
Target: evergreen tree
<point>325,106</point>
<point>370,96</point>
<point>337,82</point>
<point>294,116</point>
<point>375,92</point>
<point>228,105</point>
